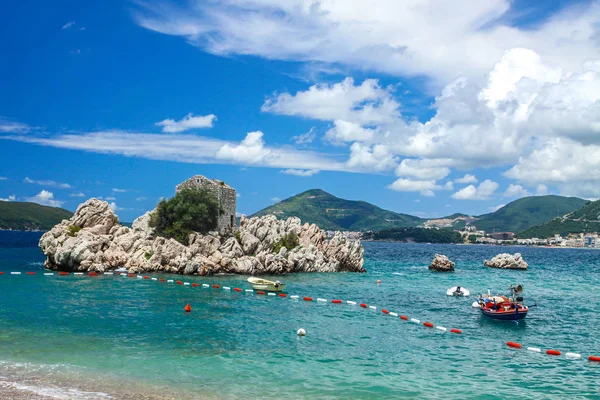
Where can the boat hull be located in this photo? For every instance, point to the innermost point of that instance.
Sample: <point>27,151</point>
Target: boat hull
<point>265,285</point>
<point>511,315</point>
<point>268,287</point>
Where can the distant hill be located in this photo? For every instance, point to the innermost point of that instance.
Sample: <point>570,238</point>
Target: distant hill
<point>527,212</point>
<point>332,213</point>
<point>30,216</point>
<point>454,221</point>
<point>585,219</point>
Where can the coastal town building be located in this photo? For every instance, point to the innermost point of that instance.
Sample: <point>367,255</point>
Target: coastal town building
<point>225,195</point>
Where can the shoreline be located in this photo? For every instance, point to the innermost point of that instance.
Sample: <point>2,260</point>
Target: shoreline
<point>483,244</point>
<point>32,381</point>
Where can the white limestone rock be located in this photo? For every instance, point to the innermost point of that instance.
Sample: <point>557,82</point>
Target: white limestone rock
<point>441,263</point>
<point>507,261</point>
<point>101,244</point>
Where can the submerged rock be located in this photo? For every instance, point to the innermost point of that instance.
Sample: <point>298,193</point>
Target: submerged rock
<point>441,263</point>
<point>93,240</point>
<point>506,261</point>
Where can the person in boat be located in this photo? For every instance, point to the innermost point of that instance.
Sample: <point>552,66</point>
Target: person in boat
<point>277,283</point>
<point>457,291</point>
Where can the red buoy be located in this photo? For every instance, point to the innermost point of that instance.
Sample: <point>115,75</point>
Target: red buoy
<point>307,299</point>
<point>428,324</point>
<point>146,277</point>
<point>1,273</point>
<point>378,281</point>
<point>162,280</point>
<point>383,310</point>
<point>454,330</point>
<point>179,283</point>
<point>363,305</point>
<point>259,292</point>
<point>594,358</point>
<point>131,275</point>
<point>282,295</point>
<point>336,301</point>
<point>514,345</point>
<point>404,317</point>
<point>187,308</point>
<point>553,352</point>
<point>93,273</point>
<point>216,286</point>
<point>29,273</point>
<point>237,289</point>
<point>195,284</point>
<point>63,273</point>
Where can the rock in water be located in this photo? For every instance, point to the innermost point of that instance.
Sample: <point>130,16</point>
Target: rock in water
<point>93,240</point>
<point>441,263</point>
<point>506,261</point>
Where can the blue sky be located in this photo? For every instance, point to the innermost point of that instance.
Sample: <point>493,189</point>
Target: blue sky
<point>417,109</point>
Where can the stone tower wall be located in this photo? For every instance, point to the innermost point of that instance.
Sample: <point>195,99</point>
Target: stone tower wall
<point>225,195</point>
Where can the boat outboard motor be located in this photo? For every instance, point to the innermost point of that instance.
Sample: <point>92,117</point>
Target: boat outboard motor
<point>520,298</point>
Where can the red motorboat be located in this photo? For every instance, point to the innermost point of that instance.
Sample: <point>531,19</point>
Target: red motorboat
<point>504,308</point>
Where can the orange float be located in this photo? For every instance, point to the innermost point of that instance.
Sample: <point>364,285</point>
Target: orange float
<point>513,345</point>
<point>307,299</point>
<point>454,330</point>
<point>187,308</point>
<point>553,352</point>
<point>336,301</point>
<point>428,324</point>
<point>404,317</point>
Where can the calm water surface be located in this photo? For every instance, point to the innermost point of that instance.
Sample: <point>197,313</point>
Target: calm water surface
<point>113,332</point>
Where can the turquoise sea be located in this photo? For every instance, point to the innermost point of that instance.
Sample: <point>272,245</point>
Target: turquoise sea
<point>113,334</point>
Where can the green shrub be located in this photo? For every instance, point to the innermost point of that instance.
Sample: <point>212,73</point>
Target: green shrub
<point>148,254</point>
<point>238,236</point>
<point>288,241</point>
<point>73,229</point>
<point>191,210</point>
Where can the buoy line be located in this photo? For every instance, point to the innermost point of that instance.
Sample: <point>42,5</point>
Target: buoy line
<point>513,345</point>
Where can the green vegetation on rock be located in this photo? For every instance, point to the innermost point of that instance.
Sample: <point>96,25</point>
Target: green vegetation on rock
<point>289,241</point>
<point>527,212</point>
<point>191,210</point>
<point>30,216</point>
<point>332,213</point>
<point>73,229</point>
<point>418,235</point>
<point>586,219</point>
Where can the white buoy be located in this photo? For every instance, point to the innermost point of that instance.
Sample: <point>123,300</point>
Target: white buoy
<point>475,304</point>
<point>301,332</point>
<point>534,349</point>
<point>573,356</point>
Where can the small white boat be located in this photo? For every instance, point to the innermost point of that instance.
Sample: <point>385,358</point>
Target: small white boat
<point>266,285</point>
<point>458,291</point>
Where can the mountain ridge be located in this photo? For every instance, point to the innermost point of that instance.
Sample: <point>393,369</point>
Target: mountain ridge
<point>25,216</point>
<point>333,213</point>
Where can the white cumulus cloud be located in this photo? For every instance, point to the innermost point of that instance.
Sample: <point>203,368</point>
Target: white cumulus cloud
<point>484,191</point>
<point>300,172</point>
<point>45,198</point>
<point>516,191</point>
<point>367,103</point>
<point>188,122</point>
<point>11,197</point>
<point>468,178</point>
<point>376,158</point>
